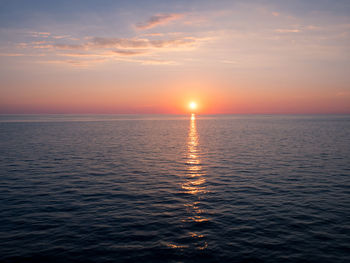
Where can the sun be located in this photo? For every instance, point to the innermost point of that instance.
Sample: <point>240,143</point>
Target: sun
<point>193,105</point>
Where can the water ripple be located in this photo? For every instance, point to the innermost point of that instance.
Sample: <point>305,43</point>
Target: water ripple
<point>232,189</point>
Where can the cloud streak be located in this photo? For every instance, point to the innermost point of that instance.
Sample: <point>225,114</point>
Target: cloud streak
<point>124,46</point>
<point>143,51</point>
<point>157,20</point>
<point>136,43</point>
<point>287,30</point>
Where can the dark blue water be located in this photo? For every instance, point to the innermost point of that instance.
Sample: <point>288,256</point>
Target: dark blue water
<point>172,189</point>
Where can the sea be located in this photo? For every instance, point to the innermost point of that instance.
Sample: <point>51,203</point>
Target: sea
<point>169,188</point>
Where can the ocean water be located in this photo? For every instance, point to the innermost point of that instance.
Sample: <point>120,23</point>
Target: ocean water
<point>119,188</point>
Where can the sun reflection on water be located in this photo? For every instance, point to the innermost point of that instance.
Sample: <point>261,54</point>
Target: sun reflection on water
<point>195,220</point>
<point>195,184</point>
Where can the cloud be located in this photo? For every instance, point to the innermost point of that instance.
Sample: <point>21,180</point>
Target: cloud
<point>102,49</point>
<point>104,54</point>
<point>150,61</point>
<point>136,43</point>
<point>39,42</point>
<point>153,34</point>
<point>61,36</point>
<point>174,43</point>
<point>124,46</point>
<point>104,42</point>
<point>159,19</point>
<point>143,48</point>
<point>157,62</point>
<point>287,30</point>
<point>40,34</point>
<point>82,55</point>
<point>128,52</point>
<point>47,35</point>
<point>82,61</point>
<point>69,46</point>
<point>75,62</point>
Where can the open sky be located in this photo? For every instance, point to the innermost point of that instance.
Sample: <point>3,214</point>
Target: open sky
<point>156,56</point>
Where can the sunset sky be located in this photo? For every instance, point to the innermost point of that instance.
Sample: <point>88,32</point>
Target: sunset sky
<point>158,56</point>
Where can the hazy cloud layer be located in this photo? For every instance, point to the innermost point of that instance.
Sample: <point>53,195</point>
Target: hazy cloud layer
<point>101,49</point>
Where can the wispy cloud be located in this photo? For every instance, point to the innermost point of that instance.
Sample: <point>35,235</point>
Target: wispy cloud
<point>61,36</point>
<point>159,19</point>
<point>157,62</point>
<point>79,63</point>
<point>136,43</point>
<point>129,52</point>
<point>144,51</point>
<point>287,30</point>
<point>153,34</point>
<point>40,34</point>
<point>151,61</point>
<point>106,54</point>
<point>48,35</point>
<point>125,45</point>
<point>69,46</point>
<point>92,60</point>
<point>105,42</point>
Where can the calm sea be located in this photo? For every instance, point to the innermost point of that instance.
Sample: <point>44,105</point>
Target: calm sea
<point>128,188</point>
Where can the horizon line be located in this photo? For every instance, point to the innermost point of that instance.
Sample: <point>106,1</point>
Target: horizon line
<point>179,114</point>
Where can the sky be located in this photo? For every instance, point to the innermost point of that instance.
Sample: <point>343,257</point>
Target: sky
<point>230,57</point>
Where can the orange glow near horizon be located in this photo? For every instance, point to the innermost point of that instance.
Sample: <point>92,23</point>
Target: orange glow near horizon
<point>175,100</point>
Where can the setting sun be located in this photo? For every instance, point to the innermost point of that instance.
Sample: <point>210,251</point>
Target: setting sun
<point>193,105</point>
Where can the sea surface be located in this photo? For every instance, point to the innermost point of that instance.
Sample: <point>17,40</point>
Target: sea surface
<point>157,188</point>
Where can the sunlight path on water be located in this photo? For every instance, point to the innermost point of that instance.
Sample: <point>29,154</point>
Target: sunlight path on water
<point>194,185</point>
